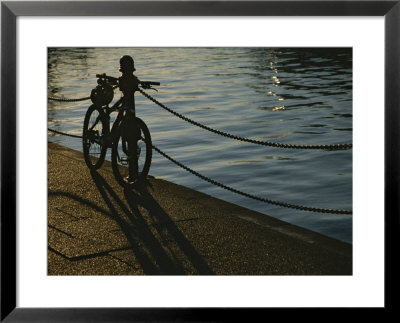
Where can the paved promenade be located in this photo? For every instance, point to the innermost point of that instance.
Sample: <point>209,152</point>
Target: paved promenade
<point>95,227</point>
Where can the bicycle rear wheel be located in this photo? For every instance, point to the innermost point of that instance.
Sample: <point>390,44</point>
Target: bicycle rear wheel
<point>93,138</point>
<point>131,154</point>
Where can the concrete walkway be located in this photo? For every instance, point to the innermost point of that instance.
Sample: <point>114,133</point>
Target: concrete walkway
<point>95,227</point>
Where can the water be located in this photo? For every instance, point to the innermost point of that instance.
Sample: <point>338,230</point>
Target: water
<point>286,95</point>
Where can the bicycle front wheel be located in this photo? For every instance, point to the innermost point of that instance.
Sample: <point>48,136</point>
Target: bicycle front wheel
<point>131,154</point>
<point>93,137</point>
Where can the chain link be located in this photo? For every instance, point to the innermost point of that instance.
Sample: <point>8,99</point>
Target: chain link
<point>253,141</point>
<point>68,100</point>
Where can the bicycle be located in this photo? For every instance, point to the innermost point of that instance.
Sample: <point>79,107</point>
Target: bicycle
<point>129,138</point>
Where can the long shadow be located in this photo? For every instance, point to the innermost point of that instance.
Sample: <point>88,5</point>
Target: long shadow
<point>167,228</point>
<point>147,248</point>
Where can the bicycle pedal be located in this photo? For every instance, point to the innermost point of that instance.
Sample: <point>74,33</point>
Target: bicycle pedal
<point>124,161</point>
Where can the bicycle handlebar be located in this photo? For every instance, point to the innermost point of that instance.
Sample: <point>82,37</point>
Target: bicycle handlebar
<point>148,83</point>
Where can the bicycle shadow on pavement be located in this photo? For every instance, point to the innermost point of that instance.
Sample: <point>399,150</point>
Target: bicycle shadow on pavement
<point>158,245</point>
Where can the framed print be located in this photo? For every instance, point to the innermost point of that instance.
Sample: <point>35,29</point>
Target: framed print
<point>220,53</point>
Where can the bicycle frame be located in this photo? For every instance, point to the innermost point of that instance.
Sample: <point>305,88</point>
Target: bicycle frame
<point>128,136</point>
<point>118,120</point>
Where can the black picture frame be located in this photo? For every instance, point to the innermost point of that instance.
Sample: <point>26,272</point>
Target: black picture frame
<point>10,10</point>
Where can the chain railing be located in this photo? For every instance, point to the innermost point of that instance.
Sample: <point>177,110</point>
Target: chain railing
<point>68,100</point>
<point>64,133</point>
<point>261,199</point>
<point>216,183</point>
<point>225,134</point>
<point>253,141</point>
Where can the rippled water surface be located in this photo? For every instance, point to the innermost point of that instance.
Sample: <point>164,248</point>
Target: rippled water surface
<point>285,95</point>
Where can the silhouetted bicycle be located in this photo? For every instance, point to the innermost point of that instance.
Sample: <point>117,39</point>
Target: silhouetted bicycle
<point>129,138</point>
